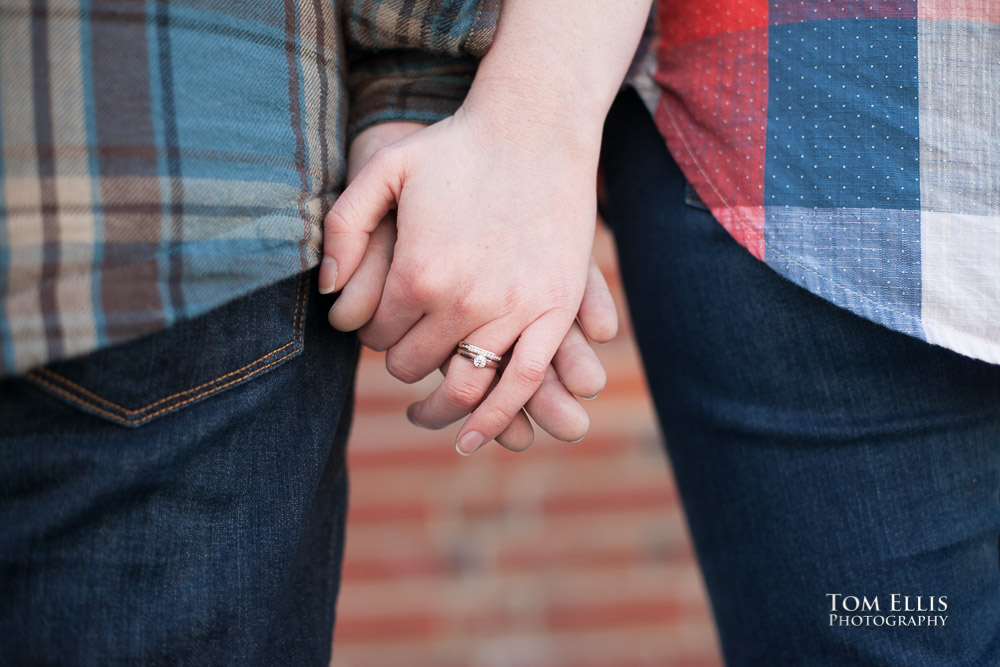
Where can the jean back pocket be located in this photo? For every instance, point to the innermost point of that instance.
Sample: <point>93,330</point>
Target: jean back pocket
<point>136,382</point>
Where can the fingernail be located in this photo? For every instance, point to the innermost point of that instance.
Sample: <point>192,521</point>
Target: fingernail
<point>573,442</point>
<point>469,443</point>
<point>590,398</point>
<point>328,266</point>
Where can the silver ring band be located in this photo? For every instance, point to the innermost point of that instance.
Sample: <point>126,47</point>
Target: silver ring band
<point>477,360</point>
<point>475,349</point>
<point>480,357</point>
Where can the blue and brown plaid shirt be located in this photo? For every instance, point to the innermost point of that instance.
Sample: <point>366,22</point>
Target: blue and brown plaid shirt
<point>158,159</point>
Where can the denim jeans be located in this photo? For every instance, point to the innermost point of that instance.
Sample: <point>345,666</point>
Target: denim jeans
<point>180,499</point>
<point>826,464</point>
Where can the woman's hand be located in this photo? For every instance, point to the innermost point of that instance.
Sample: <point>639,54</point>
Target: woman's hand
<point>576,367</point>
<point>495,210</point>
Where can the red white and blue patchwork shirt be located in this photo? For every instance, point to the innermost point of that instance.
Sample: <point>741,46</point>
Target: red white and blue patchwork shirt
<point>852,145</point>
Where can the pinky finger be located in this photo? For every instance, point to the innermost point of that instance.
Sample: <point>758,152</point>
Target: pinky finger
<point>518,436</point>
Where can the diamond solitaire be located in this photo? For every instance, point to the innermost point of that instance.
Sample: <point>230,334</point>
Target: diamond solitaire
<point>479,357</point>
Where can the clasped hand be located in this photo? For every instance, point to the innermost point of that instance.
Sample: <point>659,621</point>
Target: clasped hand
<point>463,231</point>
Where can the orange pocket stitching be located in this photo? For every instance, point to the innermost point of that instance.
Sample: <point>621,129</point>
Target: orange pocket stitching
<point>81,390</point>
<point>143,420</point>
<point>71,389</point>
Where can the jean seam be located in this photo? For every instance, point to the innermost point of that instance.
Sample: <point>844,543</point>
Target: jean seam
<point>136,417</point>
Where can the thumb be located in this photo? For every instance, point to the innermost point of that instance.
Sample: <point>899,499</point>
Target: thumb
<point>355,215</point>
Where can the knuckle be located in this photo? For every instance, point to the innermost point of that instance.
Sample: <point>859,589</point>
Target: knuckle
<point>420,289</point>
<point>383,158</point>
<point>465,305</point>
<point>338,217</point>
<point>462,394</point>
<point>420,286</point>
<point>499,416</point>
<point>517,302</point>
<point>400,369</point>
<point>369,339</point>
<point>385,163</point>
<point>531,371</point>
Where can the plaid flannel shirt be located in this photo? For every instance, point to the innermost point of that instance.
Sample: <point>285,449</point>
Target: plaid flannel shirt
<point>852,145</point>
<point>158,159</point>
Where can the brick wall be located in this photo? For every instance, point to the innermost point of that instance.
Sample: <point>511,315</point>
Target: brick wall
<point>569,555</point>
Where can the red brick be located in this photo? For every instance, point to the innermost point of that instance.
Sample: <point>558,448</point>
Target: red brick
<point>388,625</point>
<point>631,499</point>
<point>389,512</point>
<point>398,568</point>
<point>569,555</point>
<point>573,617</point>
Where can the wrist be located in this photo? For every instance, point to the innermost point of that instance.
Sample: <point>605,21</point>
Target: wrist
<point>523,112</point>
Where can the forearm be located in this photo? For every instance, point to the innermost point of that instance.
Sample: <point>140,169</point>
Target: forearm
<point>556,65</point>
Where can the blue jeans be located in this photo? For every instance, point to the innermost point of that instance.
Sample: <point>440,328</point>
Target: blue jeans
<point>825,463</point>
<point>180,499</point>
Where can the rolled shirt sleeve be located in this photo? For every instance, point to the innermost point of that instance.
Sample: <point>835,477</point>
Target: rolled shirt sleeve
<point>413,60</point>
